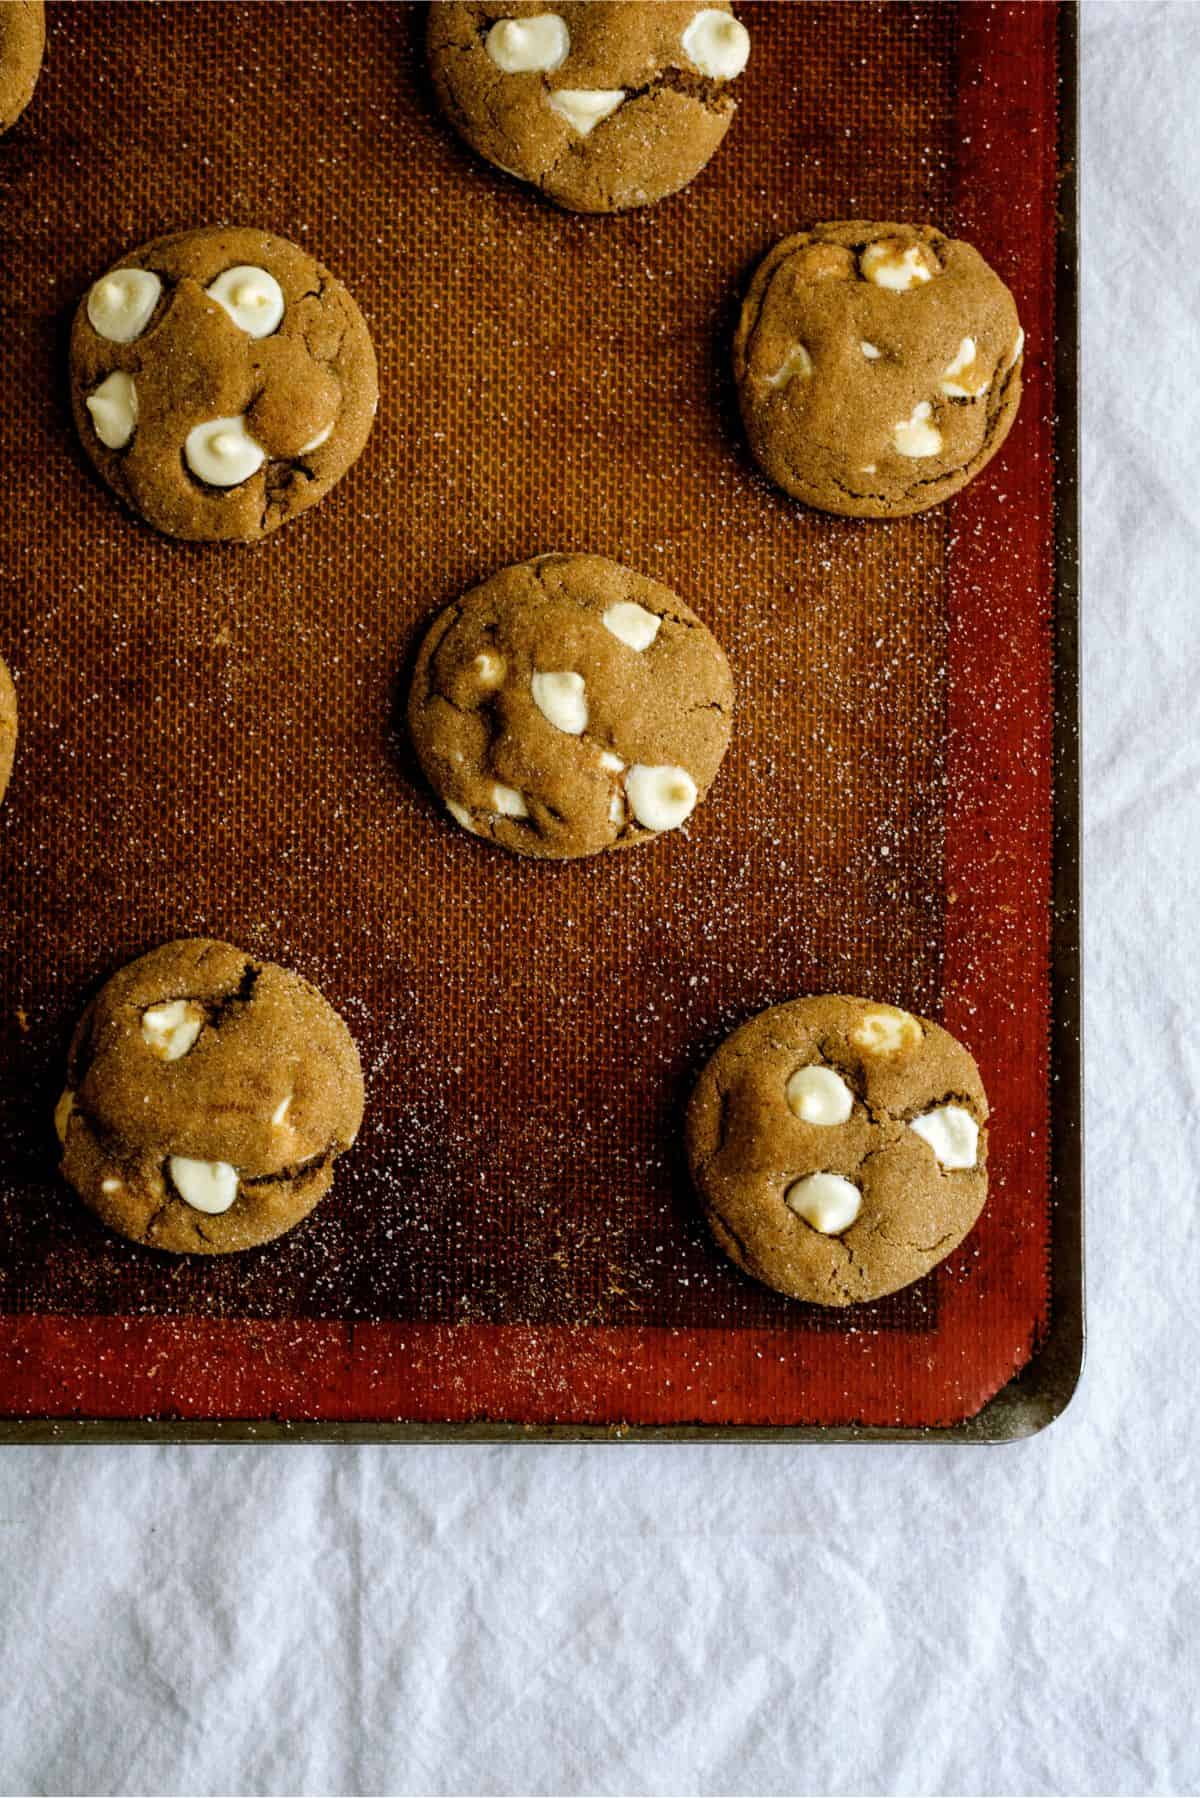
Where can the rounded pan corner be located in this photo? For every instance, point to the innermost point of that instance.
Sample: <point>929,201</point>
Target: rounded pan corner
<point>1041,1393</point>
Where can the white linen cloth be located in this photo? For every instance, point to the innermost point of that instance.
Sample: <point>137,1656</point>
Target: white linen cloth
<point>634,1619</point>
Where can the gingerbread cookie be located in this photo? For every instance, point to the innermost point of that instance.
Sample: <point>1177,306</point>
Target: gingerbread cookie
<point>22,44</point>
<point>839,1148</point>
<point>601,106</point>
<point>569,705</point>
<point>208,1097</point>
<point>8,727</point>
<point>878,367</point>
<point>222,381</point>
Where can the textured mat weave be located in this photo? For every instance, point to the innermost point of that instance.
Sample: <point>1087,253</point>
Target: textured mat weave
<point>209,734</point>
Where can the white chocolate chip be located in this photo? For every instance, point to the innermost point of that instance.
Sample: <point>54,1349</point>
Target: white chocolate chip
<point>660,797</point>
<point>508,802</point>
<point>886,1032</point>
<point>562,698</point>
<point>918,435</point>
<point>951,1133</point>
<point>489,668</point>
<point>819,1095</point>
<point>222,452</point>
<point>632,624</point>
<point>617,811</point>
<point>896,266</point>
<point>62,1114</point>
<point>970,386</point>
<point>112,1184</point>
<point>867,468</point>
<point>461,815</point>
<point>797,362</point>
<point>717,43</point>
<point>314,443</point>
<point>281,1110</point>
<point>519,46</point>
<point>964,357</point>
<point>121,305</point>
<point>114,409</point>
<point>251,296</point>
<point>584,107</point>
<point>1018,346</point>
<point>869,351</point>
<point>209,1186</point>
<point>170,1030</point>
<point>826,1201</point>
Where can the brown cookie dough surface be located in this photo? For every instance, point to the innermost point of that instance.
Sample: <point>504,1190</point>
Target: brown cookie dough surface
<point>839,1147</point>
<point>22,44</point>
<point>222,380</point>
<point>601,106</point>
<point>208,1096</point>
<point>878,366</point>
<point>8,727</point>
<point>569,705</point>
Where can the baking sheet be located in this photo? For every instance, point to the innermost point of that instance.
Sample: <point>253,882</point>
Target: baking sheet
<point>210,743</point>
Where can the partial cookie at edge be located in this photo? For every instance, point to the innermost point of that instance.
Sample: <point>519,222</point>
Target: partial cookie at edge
<point>601,107</point>
<point>8,727</point>
<point>22,46</point>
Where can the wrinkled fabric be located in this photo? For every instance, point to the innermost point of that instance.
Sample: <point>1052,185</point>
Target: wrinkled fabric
<point>753,1620</point>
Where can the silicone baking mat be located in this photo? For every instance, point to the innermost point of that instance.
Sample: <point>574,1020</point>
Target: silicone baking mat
<point>210,739</point>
